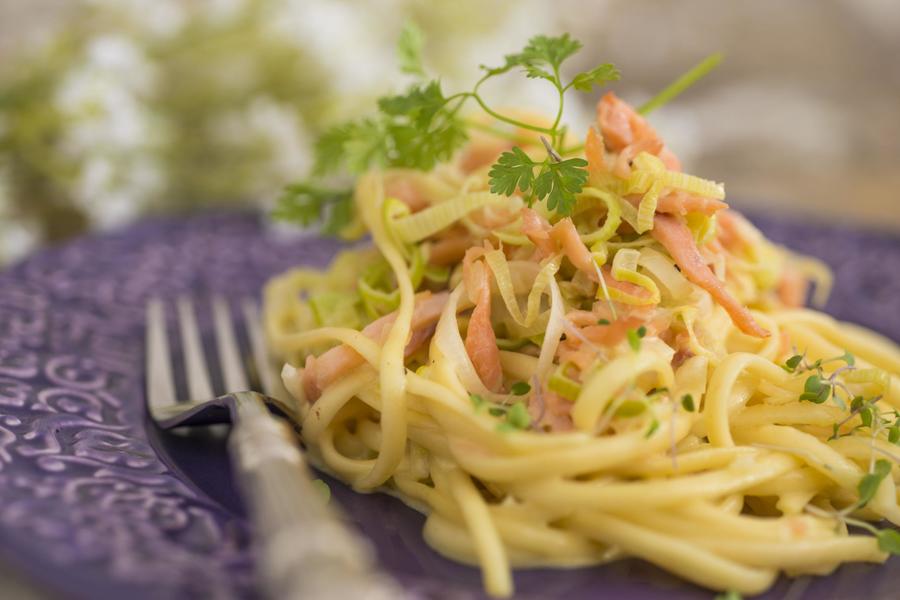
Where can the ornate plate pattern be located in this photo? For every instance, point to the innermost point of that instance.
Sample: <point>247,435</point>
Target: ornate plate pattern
<point>94,504</point>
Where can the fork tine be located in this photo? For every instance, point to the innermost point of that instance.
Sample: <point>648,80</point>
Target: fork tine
<point>229,357</point>
<point>160,384</point>
<point>199,386</point>
<point>258,347</point>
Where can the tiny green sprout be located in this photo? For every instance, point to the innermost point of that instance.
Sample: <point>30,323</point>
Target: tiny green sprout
<point>654,425</point>
<point>816,389</point>
<point>520,388</point>
<point>889,541</point>
<point>894,435</point>
<point>729,595</point>
<point>866,415</point>
<point>835,431</point>
<point>870,482</point>
<point>477,401</point>
<point>848,358</point>
<point>496,411</point>
<point>856,403</point>
<point>687,401</point>
<point>634,337</point>
<point>323,489</point>
<point>791,364</point>
<point>602,321</point>
<point>518,416</point>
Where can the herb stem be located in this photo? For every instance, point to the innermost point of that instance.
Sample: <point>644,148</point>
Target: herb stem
<point>474,94</point>
<point>675,88</point>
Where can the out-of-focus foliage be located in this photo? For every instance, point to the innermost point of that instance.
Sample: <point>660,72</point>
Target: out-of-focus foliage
<point>137,107</point>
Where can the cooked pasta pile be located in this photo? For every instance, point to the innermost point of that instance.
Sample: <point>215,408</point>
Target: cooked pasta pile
<point>638,378</point>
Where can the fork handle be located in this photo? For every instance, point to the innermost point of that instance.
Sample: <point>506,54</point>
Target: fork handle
<point>306,551</point>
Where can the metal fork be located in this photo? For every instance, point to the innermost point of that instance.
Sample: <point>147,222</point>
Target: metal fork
<point>306,551</point>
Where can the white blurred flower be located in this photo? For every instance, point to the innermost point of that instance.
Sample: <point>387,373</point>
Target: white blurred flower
<point>344,36</point>
<point>16,237</point>
<point>113,133</point>
<point>159,18</point>
<point>103,98</point>
<point>222,11</point>
<point>113,191</point>
<point>277,127</point>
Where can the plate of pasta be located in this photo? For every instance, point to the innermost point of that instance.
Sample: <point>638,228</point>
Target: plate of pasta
<point>565,350</point>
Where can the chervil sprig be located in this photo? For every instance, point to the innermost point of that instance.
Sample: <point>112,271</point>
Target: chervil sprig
<point>308,204</point>
<point>556,180</point>
<point>422,127</point>
<point>409,49</point>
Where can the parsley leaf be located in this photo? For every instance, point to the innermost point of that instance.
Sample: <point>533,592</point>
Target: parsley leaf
<point>514,169</point>
<point>870,482</point>
<point>559,182</point>
<point>409,49</point>
<point>541,57</point>
<point>355,145</point>
<point>601,75</point>
<point>420,104</point>
<point>305,204</point>
<point>654,425</point>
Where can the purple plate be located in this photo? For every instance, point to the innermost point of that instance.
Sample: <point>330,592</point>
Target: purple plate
<point>96,503</point>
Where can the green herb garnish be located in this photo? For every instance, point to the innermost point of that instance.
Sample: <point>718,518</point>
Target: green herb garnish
<point>602,321</point>
<point>477,401</point>
<point>409,49</point>
<point>894,435</point>
<point>520,388</point>
<point>422,127</point>
<point>634,337</point>
<point>323,489</point>
<point>307,204</point>
<point>816,389</point>
<point>889,541</point>
<point>518,416</point>
<point>687,401</point>
<point>654,425</point>
<point>870,482</point>
<point>678,86</point>
<point>517,419</point>
<point>557,180</point>
<point>791,364</point>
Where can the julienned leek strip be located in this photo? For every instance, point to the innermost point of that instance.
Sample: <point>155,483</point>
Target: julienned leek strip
<point>428,221</point>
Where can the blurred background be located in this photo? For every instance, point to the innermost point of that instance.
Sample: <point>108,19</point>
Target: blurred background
<point>114,109</point>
